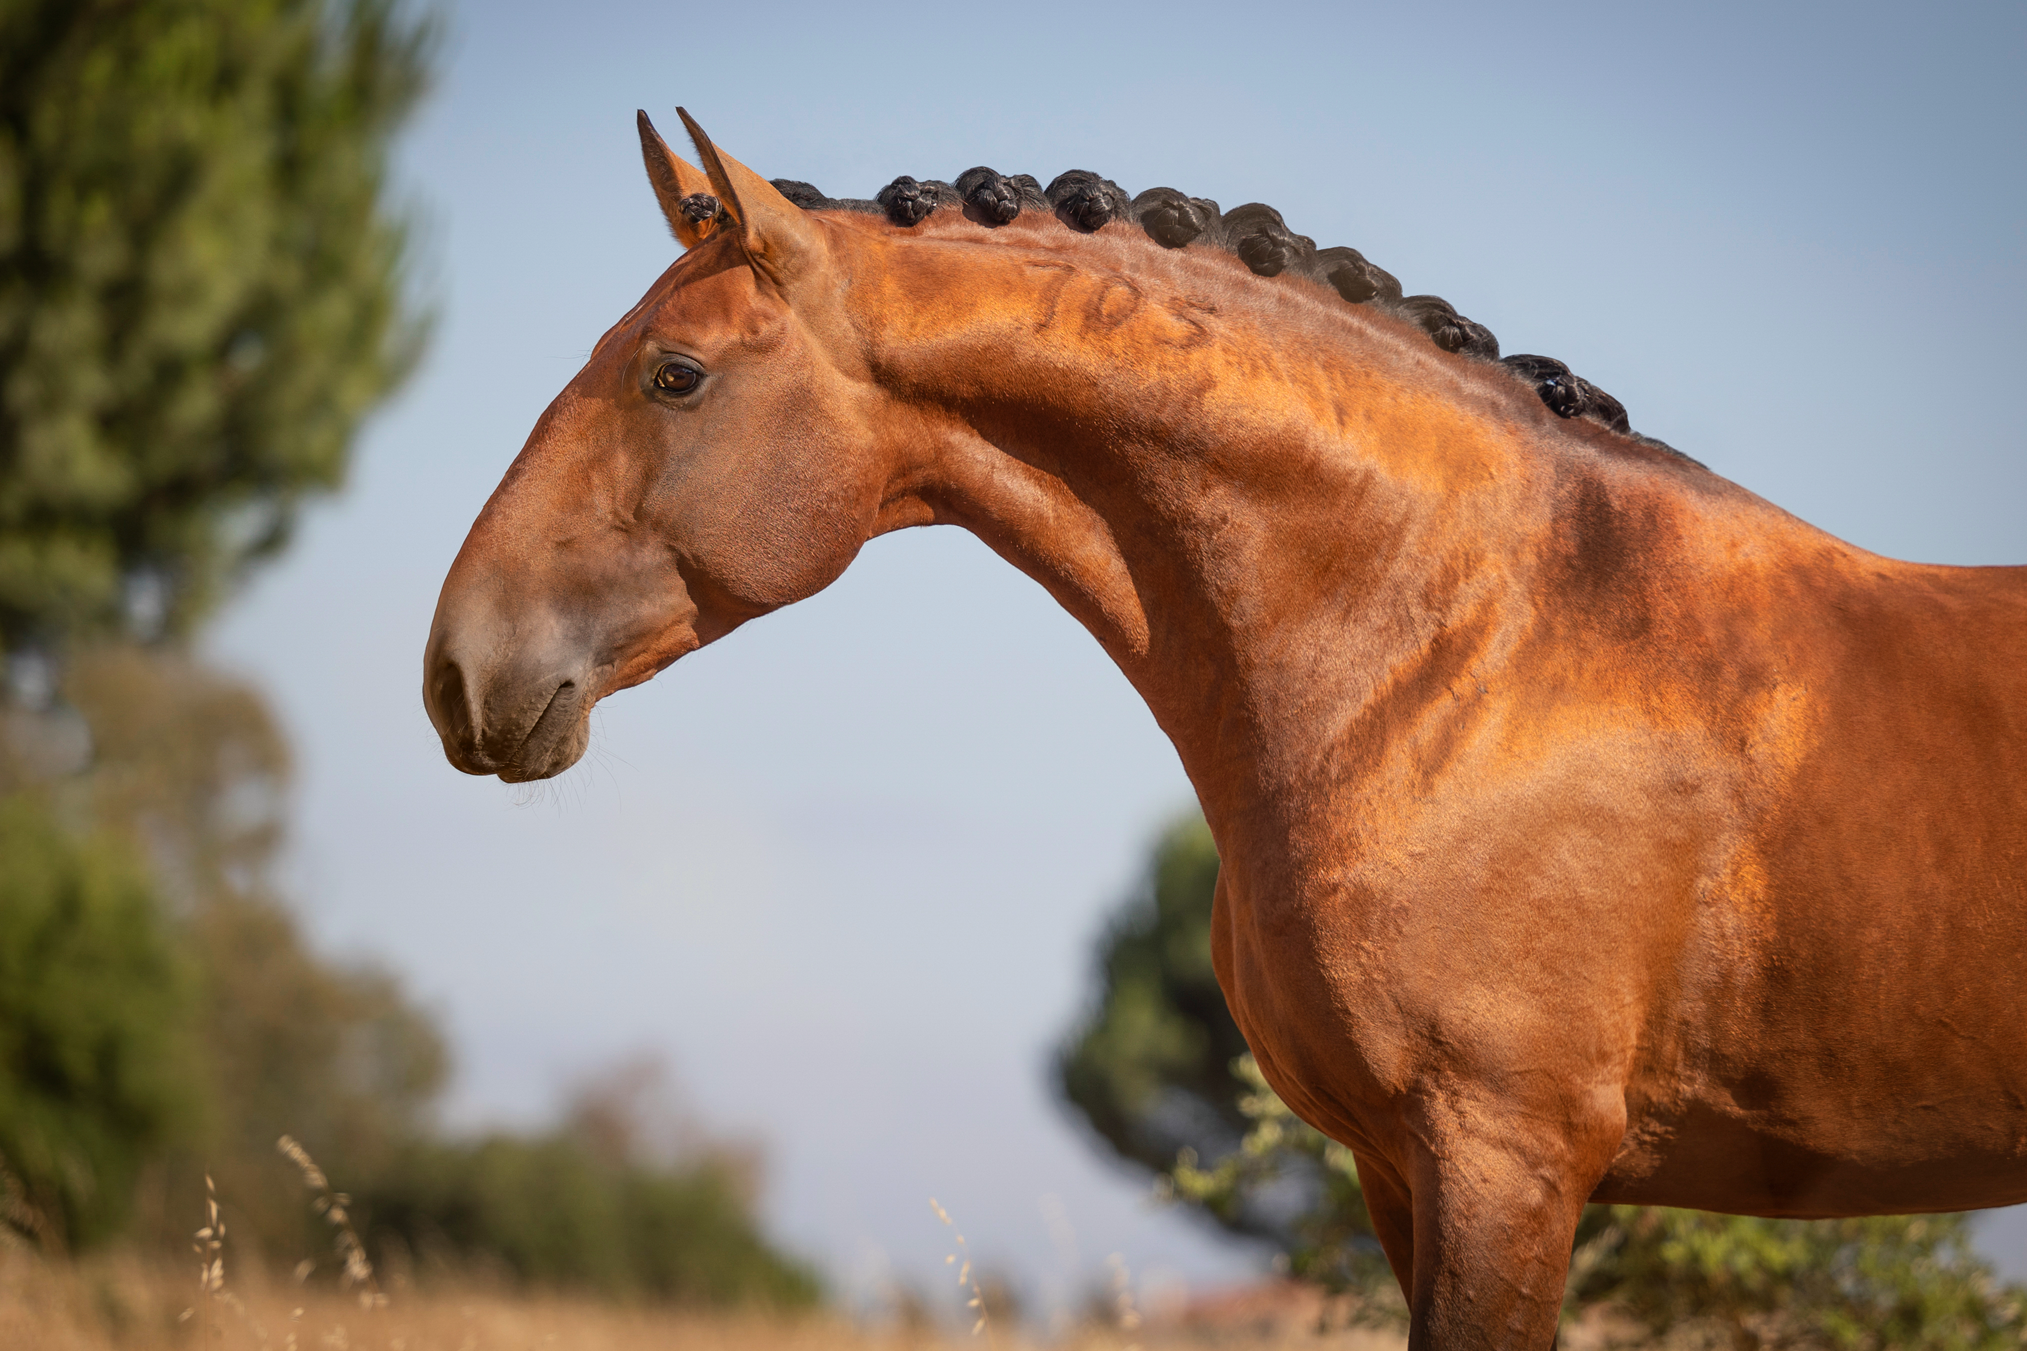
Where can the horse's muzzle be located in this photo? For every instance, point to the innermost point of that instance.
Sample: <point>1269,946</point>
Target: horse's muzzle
<point>503,720</point>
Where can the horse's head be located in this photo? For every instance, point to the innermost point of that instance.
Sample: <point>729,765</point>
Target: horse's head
<point>722,453</point>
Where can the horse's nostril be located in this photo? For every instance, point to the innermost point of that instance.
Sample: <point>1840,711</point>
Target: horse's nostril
<point>450,703</point>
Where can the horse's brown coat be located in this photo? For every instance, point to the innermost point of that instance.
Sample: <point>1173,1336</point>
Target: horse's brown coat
<point>1591,829</point>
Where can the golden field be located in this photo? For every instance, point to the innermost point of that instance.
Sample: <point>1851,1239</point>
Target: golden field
<point>124,1305</point>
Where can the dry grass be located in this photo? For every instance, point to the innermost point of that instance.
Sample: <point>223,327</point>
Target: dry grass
<point>123,1305</point>
<point>126,1307</point>
<point>126,1304</point>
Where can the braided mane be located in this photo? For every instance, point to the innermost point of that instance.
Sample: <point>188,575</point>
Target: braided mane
<point>1256,233</point>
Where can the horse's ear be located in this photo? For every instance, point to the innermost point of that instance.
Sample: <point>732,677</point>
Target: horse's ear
<point>675,179</point>
<point>778,238</point>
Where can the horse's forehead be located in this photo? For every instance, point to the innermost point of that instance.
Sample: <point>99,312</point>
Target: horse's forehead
<point>687,297</point>
<point>702,302</point>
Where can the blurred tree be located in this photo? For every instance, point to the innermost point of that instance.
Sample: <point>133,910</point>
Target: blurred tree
<point>549,1211</point>
<point>157,1000</point>
<point>622,1198</point>
<point>1149,1070</point>
<point>97,1024</point>
<point>1892,1281</point>
<point>200,289</point>
<point>190,767</point>
<point>201,295</point>
<point>334,1053</point>
<point>187,763</point>
<point>1162,1074</point>
<point>213,1028</point>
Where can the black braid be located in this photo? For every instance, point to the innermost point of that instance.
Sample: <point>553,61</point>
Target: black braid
<point>989,197</point>
<point>1567,394</point>
<point>1171,219</point>
<point>1263,240</point>
<point>1352,277</point>
<point>700,207</point>
<point>908,202</point>
<point>1452,331</point>
<point>1030,189</point>
<point>1084,201</point>
<point>802,194</point>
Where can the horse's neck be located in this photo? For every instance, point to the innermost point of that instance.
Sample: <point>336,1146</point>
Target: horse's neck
<point>1264,507</point>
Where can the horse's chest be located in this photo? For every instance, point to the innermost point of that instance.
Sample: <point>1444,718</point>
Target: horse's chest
<point>1382,982</point>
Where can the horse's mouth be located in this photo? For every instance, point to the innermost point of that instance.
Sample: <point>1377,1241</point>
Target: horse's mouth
<point>483,735</point>
<point>555,742</point>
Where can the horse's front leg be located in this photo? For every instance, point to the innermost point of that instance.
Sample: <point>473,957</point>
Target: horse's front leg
<point>1392,1208</point>
<point>1494,1195</point>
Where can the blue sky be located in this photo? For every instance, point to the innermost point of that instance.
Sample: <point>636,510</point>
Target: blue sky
<point>844,870</point>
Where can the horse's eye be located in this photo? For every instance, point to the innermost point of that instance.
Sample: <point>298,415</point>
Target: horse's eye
<point>677,377</point>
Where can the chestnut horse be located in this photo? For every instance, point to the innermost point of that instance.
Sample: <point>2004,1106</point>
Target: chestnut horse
<point>1591,829</point>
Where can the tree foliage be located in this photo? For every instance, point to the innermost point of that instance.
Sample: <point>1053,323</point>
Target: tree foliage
<point>201,295</point>
<point>189,765</point>
<point>1737,1281</point>
<point>144,942</point>
<point>624,1197</point>
<point>1149,1070</point>
<point>555,1210</point>
<point>162,1016</point>
<point>97,1025</point>
<point>200,288</point>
